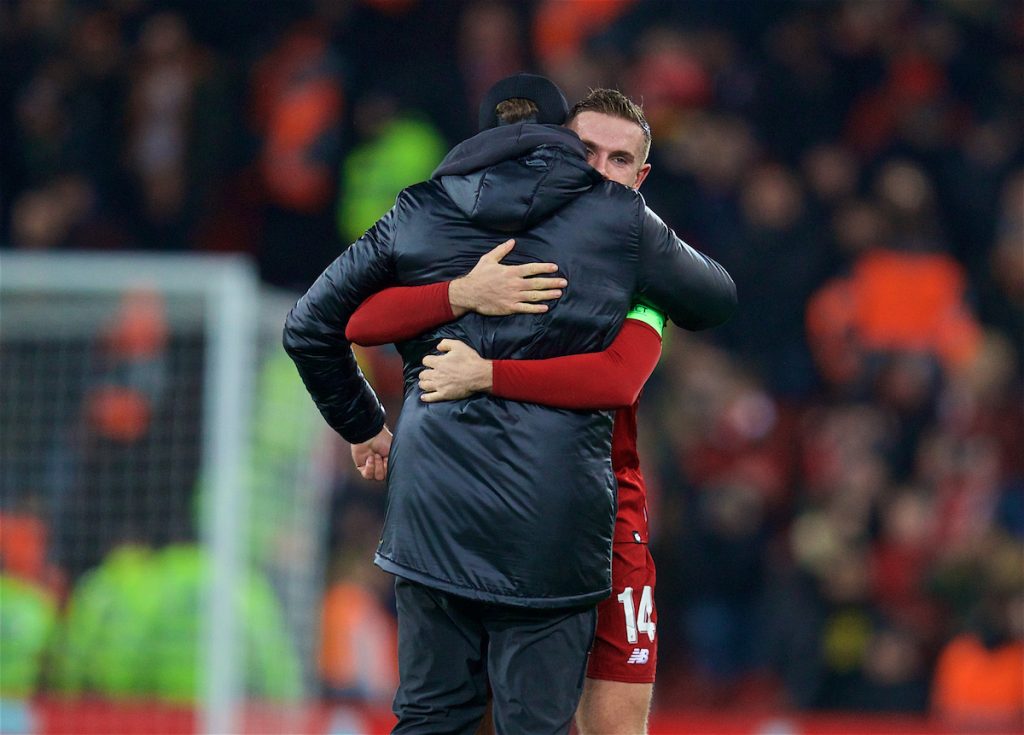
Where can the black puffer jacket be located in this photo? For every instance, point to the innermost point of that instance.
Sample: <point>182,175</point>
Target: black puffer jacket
<point>492,499</point>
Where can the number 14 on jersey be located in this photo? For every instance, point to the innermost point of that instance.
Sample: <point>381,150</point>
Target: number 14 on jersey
<point>638,618</point>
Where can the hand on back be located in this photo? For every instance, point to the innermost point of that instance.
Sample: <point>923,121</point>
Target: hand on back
<point>458,372</point>
<point>493,289</point>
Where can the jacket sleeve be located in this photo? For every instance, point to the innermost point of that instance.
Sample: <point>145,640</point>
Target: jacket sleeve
<point>694,290</point>
<point>314,333</point>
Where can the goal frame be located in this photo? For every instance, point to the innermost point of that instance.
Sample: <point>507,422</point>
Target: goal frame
<point>229,286</point>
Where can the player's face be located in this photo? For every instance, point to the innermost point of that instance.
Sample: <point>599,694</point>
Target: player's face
<point>615,147</point>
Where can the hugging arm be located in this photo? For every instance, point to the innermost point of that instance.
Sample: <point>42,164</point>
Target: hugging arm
<point>609,379</point>
<point>691,288</point>
<point>490,288</point>
<point>399,313</point>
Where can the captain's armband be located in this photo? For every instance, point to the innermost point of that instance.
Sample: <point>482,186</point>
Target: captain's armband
<point>648,315</point>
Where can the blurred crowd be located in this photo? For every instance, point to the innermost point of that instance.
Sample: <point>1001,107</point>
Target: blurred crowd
<point>837,481</point>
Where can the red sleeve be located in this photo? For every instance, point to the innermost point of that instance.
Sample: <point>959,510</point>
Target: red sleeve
<point>399,313</point>
<point>609,379</point>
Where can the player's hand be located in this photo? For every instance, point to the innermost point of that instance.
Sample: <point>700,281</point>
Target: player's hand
<point>494,289</point>
<point>458,372</point>
<point>371,457</point>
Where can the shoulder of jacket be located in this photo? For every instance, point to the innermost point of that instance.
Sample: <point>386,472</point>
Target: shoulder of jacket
<point>416,191</point>
<point>415,196</point>
<point>620,193</point>
<point>628,202</point>
<point>639,206</point>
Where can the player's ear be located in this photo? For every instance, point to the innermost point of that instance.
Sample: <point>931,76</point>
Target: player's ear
<point>641,175</point>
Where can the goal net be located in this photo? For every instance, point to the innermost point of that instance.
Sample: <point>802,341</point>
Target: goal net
<point>162,499</point>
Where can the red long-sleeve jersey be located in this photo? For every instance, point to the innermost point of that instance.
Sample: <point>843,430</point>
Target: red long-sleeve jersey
<point>611,379</point>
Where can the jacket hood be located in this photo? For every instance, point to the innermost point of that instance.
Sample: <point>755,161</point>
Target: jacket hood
<point>510,177</point>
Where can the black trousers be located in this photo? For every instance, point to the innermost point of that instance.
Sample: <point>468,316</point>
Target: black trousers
<point>450,648</point>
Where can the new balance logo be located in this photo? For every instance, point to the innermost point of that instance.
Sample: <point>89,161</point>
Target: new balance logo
<point>639,656</point>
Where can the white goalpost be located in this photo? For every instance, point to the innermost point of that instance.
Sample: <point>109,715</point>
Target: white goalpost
<point>153,429</point>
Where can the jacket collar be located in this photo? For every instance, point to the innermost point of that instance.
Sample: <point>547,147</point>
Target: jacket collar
<point>503,143</point>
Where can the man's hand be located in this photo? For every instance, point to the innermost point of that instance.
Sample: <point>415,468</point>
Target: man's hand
<point>458,372</point>
<point>371,457</point>
<point>494,289</point>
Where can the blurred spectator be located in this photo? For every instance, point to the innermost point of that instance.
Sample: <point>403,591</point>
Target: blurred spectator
<point>800,94</point>
<point>490,47</point>
<point>1002,301</point>
<point>849,626</point>
<point>832,174</point>
<point>914,105</point>
<point>24,548</point>
<point>775,244</point>
<point>979,676</point>
<point>396,150</point>
<point>858,225</point>
<point>103,646</point>
<point>705,155</point>
<point>272,669</point>
<point>43,121</point>
<point>282,438</point>
<point>66,214</point>
<point>359,638</point>
<point>720,558</point>
<point>841,442</point>
<point>133,629</point>
<point>561,27</point>
<point>748,440</point>
<point>176,143</point>
<point>297,106</point>
<point>669,77</point>
<point>27,619</point>
<point>901,558</point>
<point>893,302</point>
<point>97,502</point>
<point>893,677</point>
<point>973,181</point>
<point>97,95</point>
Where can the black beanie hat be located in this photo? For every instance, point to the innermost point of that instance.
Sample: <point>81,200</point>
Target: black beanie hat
<point>552,108</point>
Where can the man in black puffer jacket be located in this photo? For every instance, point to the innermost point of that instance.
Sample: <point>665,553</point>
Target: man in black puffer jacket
<point>500,514</point>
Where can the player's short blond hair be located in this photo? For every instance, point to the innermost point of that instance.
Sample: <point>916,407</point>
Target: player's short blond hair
<point>615,103</point>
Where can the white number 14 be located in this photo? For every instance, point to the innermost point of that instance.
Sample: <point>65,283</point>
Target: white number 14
<point>638,620</point>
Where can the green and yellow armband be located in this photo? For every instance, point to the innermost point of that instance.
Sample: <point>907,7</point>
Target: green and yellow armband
<point>648,315</point>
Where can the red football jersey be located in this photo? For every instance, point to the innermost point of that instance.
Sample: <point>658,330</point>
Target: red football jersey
<point>631,519</point>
